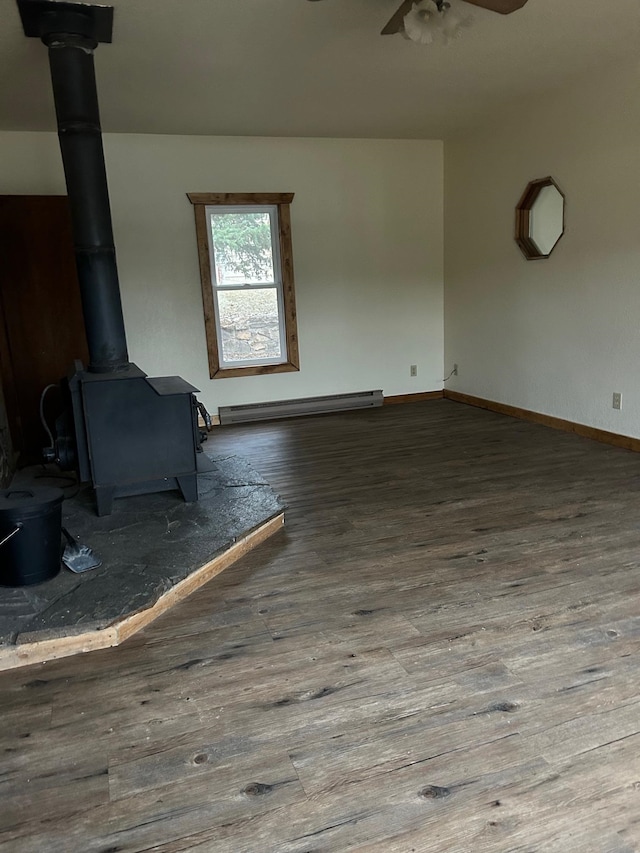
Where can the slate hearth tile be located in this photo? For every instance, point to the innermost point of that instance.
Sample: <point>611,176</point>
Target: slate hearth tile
<point>31,602</point>
<point>106,594</point>
<point>15,611</point>
<point>181,536</point>
<point>14,601</point>
<point>10,626</point>
<point>235,471</point>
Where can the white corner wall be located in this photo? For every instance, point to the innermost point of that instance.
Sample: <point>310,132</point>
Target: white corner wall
<point>557,336</point>
<point>367,224</point>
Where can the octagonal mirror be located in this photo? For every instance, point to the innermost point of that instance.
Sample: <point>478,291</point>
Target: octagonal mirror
<point>540,219</point>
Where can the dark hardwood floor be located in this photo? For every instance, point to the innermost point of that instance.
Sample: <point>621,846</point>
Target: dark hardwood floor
<point>441,652</point>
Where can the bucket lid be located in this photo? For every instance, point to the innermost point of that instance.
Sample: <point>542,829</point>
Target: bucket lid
<point>29,498</point>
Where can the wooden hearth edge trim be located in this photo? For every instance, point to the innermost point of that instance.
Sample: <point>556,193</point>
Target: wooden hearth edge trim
<point>60,647</point>
<point>601,435</point>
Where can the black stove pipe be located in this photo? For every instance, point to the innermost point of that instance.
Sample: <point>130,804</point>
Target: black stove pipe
<point>70,39</point>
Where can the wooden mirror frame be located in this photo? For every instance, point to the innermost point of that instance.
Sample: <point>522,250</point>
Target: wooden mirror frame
<point>523,218</point>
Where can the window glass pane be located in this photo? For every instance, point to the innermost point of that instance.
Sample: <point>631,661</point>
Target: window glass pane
<point>249,324</point>
<point>242,247</point>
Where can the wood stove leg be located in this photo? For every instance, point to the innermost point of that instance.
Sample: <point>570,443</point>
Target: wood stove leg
<point>104,499</point>
<point>189,487</point>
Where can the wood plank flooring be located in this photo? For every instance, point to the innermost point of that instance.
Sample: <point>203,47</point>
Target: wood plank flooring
<point>440,653</point>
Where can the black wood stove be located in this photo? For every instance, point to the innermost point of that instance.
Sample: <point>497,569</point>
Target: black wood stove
<point>123,432</point>
<point>131,434</point>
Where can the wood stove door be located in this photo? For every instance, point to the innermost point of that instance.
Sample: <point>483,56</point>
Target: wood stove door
<point>41,325</point>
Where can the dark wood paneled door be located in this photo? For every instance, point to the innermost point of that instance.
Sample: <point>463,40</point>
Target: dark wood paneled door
<point>42,329</point>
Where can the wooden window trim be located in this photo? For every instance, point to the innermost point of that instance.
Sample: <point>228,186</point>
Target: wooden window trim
<point>200,202</point>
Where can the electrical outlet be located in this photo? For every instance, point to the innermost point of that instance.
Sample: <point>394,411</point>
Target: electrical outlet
<point>617,400</point>
<point>413,370</point>
<point>455,369</point>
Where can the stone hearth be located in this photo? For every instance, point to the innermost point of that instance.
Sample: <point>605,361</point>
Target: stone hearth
<point>155,550</point>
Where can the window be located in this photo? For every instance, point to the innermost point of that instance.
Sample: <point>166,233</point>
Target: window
<point>246,271</point>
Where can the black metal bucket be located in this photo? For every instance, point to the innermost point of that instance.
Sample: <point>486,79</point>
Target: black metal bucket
<point>30,525</point>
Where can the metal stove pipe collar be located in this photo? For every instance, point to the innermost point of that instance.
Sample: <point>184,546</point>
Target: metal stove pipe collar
<point>68,29</point>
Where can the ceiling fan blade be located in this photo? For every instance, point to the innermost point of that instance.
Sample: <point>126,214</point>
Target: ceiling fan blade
<point>504,7</point>
<point>396,22</point>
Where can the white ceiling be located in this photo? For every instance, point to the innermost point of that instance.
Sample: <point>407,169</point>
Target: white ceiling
<point>295,68</point>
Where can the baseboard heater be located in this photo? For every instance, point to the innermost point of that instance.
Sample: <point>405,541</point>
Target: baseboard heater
<point>297,408</point>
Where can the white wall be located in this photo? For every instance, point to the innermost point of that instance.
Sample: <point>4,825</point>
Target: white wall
<point>367,223</point>
<point>560,335</point>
